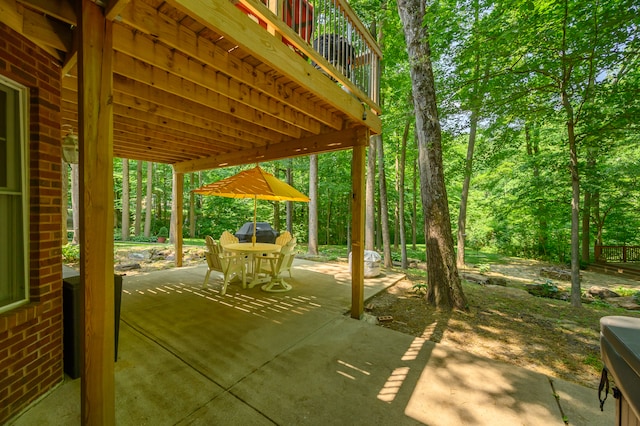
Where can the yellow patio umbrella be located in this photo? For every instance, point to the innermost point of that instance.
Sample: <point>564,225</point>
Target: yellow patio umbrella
<point>253,183</point>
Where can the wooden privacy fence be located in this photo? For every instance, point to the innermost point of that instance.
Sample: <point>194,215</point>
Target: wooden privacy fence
<point>617,253</point>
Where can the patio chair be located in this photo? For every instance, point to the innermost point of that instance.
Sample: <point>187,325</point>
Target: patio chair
<point>277,264</point>
<point>283,238</point>
<point>227,238</point>
<point>231,265</point>
<point>213,259</point>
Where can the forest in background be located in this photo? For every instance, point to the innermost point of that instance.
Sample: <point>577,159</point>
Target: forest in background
<point>533,97</point>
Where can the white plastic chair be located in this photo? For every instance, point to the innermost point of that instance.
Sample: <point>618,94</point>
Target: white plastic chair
<point>227,238</point>
<point>276,265</point>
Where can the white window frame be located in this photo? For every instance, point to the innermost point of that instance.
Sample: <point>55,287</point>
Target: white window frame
<point>22,130</point>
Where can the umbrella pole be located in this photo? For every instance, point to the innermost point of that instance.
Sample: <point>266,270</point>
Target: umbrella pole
<point>255,219</point>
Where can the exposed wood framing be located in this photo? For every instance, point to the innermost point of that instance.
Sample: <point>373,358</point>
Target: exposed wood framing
<point>357,225</point>
<point>96,215</point>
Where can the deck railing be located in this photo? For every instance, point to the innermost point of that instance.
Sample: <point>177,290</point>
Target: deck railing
<point>617,253</point>
<point>329,34</point>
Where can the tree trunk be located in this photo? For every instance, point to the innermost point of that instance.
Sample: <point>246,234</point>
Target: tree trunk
<point>75,202</point>
<point>444,287</point>
<point>401,225</point>
<point>370,203</point>
<point>464,197</point>
<point>289,204</point>
<point>586,213</point>
<point>384,205</point>
<point>313,205</point>
<point>586,210</point>
<point>125,200</point>
<point>576,293</point>
<point>414,206</point>
<point>192,206</point>
<point>138,220</point>
<point>148,201</point>
<point>65,207</point>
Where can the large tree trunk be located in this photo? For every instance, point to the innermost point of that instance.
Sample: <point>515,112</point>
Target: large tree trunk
<point>148,201</point>
<point>401,225</point>
<point>576,293</point>
<point>313,205</point>
<point>125,200</point>
<point>138,220</point>
<point>370,203</point>
<point>444,287</point>
<point>384,205</point>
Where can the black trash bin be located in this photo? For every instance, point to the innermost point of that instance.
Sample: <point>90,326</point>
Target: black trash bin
<point>72,308</point>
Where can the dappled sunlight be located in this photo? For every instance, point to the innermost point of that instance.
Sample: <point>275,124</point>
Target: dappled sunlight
<point>394,383</point>
<point>351,370</point>
<point>263,305</point>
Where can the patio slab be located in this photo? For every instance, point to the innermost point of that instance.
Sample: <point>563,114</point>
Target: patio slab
<point>192,356</point>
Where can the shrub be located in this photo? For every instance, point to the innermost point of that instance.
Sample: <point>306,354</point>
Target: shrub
<point>163,232</point>
<point>70,253</point>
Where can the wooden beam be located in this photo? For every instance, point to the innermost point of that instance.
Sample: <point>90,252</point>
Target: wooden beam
<point>176,214</point>
<point>11,15</point>
<point>49,31</point>
<point>327,142</point>
<point>115,8</point>
<point>170,82</point>
<point>96,215</point>
<point>63,10</point>
<point>357,224</point>
<point>222,17</point>
<point>145,49</point>
<point>148,20</point>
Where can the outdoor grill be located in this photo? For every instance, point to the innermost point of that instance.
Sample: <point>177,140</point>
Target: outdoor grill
<point>264,233</point>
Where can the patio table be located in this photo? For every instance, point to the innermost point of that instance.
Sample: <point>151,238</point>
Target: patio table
<point>255,253</point>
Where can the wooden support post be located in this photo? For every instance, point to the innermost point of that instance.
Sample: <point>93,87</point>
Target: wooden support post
<point>95,112</point>
<point>176,214</point>
<point>357,226</point>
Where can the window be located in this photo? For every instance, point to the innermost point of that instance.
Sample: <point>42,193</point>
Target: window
<point>14,272</point>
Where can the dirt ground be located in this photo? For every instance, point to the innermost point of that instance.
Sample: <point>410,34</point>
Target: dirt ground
<point>503,322</point>
<point>507,323</point>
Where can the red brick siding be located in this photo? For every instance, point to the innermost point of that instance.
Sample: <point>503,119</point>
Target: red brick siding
<point>31,335</point>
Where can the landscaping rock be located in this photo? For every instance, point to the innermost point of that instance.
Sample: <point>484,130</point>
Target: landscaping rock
<point>556,273</point>
<point>601,292</point>
<point>546,290</point>
<point>476,278</point>
<point>628,303</point>
<point>499,281</point>
<point>127,266</point>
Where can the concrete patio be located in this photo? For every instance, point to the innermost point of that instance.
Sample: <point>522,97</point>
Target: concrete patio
<point>191,356</point>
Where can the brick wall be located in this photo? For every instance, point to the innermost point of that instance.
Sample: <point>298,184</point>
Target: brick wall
<point>31,335</point>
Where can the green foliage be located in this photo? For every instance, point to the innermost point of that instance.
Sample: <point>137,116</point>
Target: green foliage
<point>548,289</point>
<point>484,268</point>
<point>163,232</point>
<point>70,253</point>
<point>142,239</point>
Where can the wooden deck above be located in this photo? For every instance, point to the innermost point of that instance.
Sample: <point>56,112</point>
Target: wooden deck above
<point>199,84</point>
